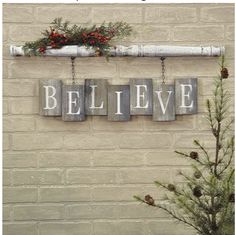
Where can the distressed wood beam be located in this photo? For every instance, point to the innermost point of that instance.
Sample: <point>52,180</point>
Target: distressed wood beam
<point>133,51</point>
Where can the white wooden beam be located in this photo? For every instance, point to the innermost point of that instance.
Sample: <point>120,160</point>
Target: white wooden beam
<point>133,50</point>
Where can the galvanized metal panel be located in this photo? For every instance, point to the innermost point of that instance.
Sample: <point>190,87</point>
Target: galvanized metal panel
<point>73,103</point>
<point>163,102</point>
<point>118,103</point>
<point>186,94</point>
<point>141,96</point>
<point>96,97</point>
<point>50,97</point>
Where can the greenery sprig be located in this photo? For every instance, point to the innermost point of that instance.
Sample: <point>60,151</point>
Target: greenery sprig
<point>62,33</point>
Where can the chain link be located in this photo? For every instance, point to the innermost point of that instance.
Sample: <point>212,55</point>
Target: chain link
<point>163,70</point>
<point>73,69</point>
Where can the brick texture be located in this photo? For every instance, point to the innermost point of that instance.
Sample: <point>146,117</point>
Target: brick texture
<point>21,229</point>
<point>18,14</point>
<point>62,178</point>
<point>78,228</point>
<point>171,14</point>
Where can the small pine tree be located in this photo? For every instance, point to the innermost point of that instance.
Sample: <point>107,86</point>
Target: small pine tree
<point>205,201</point>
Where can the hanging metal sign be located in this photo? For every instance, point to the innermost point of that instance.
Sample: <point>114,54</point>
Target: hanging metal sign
<point>97,97</point>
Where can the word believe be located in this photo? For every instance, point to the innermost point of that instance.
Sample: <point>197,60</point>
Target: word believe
<point>119,102</point>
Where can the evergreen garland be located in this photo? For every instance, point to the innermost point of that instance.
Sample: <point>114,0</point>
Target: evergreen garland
<point>62,34</point>
<point>206,201</point>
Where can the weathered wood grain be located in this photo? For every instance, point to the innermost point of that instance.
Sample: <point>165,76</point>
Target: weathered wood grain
<point>186,94</point>
<point>140,96</point>
<point>118,112</point>
<point>73,103</point>
<point>50,97</point>
<point>163,102</point>
<point>96,96</point>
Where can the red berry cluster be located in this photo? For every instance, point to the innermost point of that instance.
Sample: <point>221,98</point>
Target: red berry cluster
<point>96,38</point>
<point>42,49</point>
<point>56,40</point>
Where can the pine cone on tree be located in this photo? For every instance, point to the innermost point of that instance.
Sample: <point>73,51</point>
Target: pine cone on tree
<point>197,174</point>
<point>197,191</point>
<point>171,187</point>
<point>224,73</point>
<point>149,200</point>
<point>194,155</point>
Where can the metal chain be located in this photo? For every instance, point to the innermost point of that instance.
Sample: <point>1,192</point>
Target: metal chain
<point>73,69</point>
<point>163,70</point>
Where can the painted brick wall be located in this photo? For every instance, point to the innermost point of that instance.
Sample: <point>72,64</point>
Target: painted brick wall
<point>79,178</point>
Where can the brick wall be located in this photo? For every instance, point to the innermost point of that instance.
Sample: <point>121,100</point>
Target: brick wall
<point>79,178</point>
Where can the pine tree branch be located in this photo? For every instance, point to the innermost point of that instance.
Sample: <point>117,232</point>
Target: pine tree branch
<point>169,212</point>
<point>166,187</point>
<point>196,142</point>
<point>210,119</point>
<point>218,119</point>
<point>186,195</point>
<point>226,200</point>
<point>230,177</point>
<point>198,202</point>
<point>202,175</point>
<point>187,155</point>
<point>192,181</point>
<point>229,161</point>
<point>226,128</point>
<point>209,163</point>
<point>181,153</point>
<point>206,209</point>
<point>196,214</point>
